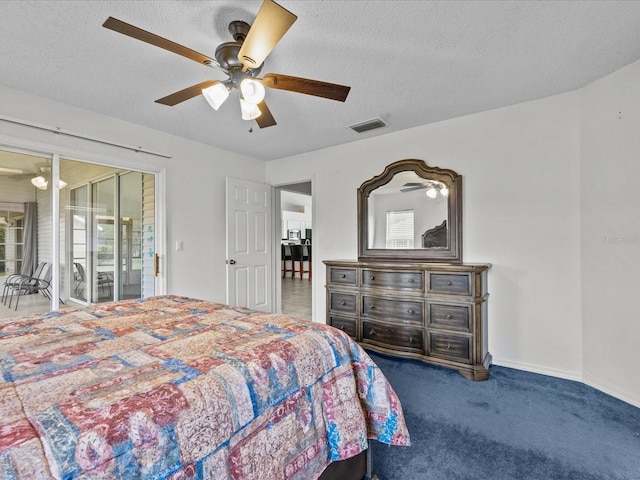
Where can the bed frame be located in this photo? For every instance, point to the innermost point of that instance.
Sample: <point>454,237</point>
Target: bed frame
<point>359,467</point>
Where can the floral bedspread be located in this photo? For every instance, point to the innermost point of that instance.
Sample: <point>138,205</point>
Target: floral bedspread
<point>174,388</point>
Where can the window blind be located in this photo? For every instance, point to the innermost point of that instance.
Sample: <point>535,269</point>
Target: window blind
<point>400,229</point>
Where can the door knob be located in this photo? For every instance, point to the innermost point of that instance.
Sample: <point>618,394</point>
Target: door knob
<point>231,262</point>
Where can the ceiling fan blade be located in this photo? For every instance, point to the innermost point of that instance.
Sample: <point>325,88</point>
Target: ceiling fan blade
<point>270,25</point>
<point>265,119</point>
<point>186,94</point>
<point>331,91</point>
<point>153,39</point>
<point>410,189</point>
<point>416,184</point>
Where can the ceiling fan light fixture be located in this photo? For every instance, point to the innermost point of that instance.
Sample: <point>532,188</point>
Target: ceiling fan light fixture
<point>250,110</point>
<point>40,182</point>
<point>216,95</point>
<point>432,192</point>
<point>252,90</point>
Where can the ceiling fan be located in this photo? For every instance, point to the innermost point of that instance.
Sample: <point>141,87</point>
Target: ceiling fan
<point>433,188</point>
<point>241,60</point>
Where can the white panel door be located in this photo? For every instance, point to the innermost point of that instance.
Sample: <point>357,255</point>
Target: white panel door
<point>249,244</point>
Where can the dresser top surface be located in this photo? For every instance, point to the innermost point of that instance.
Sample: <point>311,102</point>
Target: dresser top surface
<point>451,267</point>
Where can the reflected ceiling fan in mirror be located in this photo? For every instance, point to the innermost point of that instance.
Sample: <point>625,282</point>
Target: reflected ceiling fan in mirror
<point>241,60</point>
<point>433,188</point>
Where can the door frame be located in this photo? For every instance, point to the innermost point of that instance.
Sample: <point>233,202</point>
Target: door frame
<point>277,239</point>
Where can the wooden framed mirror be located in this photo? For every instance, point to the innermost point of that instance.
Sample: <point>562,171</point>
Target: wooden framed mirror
<point>411,212</point>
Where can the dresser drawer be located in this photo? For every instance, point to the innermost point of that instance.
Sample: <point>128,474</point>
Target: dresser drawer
<point>342,302</point>
<point>456,283</point>
<point>404,280</point>
<point>392,336</point>
<point>388,309</point>
<point>450,317</point>
<point>345,276</point>
<point>347,325</point>
<point>449,346</point>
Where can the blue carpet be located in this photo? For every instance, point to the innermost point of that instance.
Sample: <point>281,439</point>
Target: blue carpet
<point>515,426</point>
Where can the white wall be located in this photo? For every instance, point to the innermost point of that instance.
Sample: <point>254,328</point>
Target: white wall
<point>610,181</point>
<point>194,180</point>
<point>521,213</point>
<point>551,199</point>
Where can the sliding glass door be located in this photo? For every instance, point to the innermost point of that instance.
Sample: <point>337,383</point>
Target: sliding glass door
<point>95,230</point>
<point>113,218</point>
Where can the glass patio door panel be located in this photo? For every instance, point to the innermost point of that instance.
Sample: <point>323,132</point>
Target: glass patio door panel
<point>131,216</point>
<point>111,240</point>
<point>105,246</point>
<point>79,218</point>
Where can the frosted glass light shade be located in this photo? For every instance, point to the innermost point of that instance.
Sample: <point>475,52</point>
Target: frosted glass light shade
<point>249,110</point>
<point>432,192</point>
<point>252,90</point>
<point>40,182</point>
<point>444,191</point>
<point>216,95</point>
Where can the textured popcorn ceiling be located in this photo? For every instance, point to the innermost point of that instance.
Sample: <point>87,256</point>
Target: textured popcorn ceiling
<point>408,62</point>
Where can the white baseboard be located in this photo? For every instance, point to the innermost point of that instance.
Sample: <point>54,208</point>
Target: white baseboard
<point>594,382</point>
<point>612,390</point>
<point>528,367</point>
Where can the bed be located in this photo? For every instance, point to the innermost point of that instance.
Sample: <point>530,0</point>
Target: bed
<point>177,388</point>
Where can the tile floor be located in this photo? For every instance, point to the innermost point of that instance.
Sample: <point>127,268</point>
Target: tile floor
<point>296,301</point>
<point>296,298</point>
<point>34,303</point>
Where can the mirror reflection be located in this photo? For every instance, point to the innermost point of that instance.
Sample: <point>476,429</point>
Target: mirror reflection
<point>409,212</point>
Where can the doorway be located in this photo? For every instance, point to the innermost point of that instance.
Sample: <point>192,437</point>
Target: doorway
<point>296,249</point>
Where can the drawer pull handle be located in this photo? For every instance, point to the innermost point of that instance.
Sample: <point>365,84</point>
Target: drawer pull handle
<point>449,283</point>
<point>449,347</point>
<point>411,280</point>
<point>411,311</point>
<point>342,328</point>
<point>344,275</point>
<point>342,302</point>
<point>372,333</point>
<point>372,307</point>
<point>449,316</point>
<point>410,339</point>
<point>372,277</point>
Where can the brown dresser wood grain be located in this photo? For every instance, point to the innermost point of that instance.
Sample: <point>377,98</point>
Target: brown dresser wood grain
<point>434,312</point>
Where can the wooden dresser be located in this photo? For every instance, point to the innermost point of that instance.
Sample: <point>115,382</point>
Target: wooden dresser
<point>433,312</point>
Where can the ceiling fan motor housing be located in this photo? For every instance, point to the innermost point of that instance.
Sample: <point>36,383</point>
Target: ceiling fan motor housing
<point>227,53</point>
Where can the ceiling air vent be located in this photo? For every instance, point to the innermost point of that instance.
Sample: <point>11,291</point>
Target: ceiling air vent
<point>368,125</point>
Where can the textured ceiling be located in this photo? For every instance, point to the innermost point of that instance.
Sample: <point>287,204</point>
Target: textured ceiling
<point>408,62</point>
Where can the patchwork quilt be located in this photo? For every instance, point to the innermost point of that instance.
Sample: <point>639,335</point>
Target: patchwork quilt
<point>177,388</point>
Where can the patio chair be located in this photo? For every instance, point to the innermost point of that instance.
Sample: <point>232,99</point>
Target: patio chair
<point>26,286</point>
<point>79,278</point>
<point>105,280</point>
<point>16,278</point>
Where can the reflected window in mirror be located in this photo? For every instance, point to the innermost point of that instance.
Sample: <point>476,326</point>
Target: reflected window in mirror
<point>411,211</point>
<point>399,231</point>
